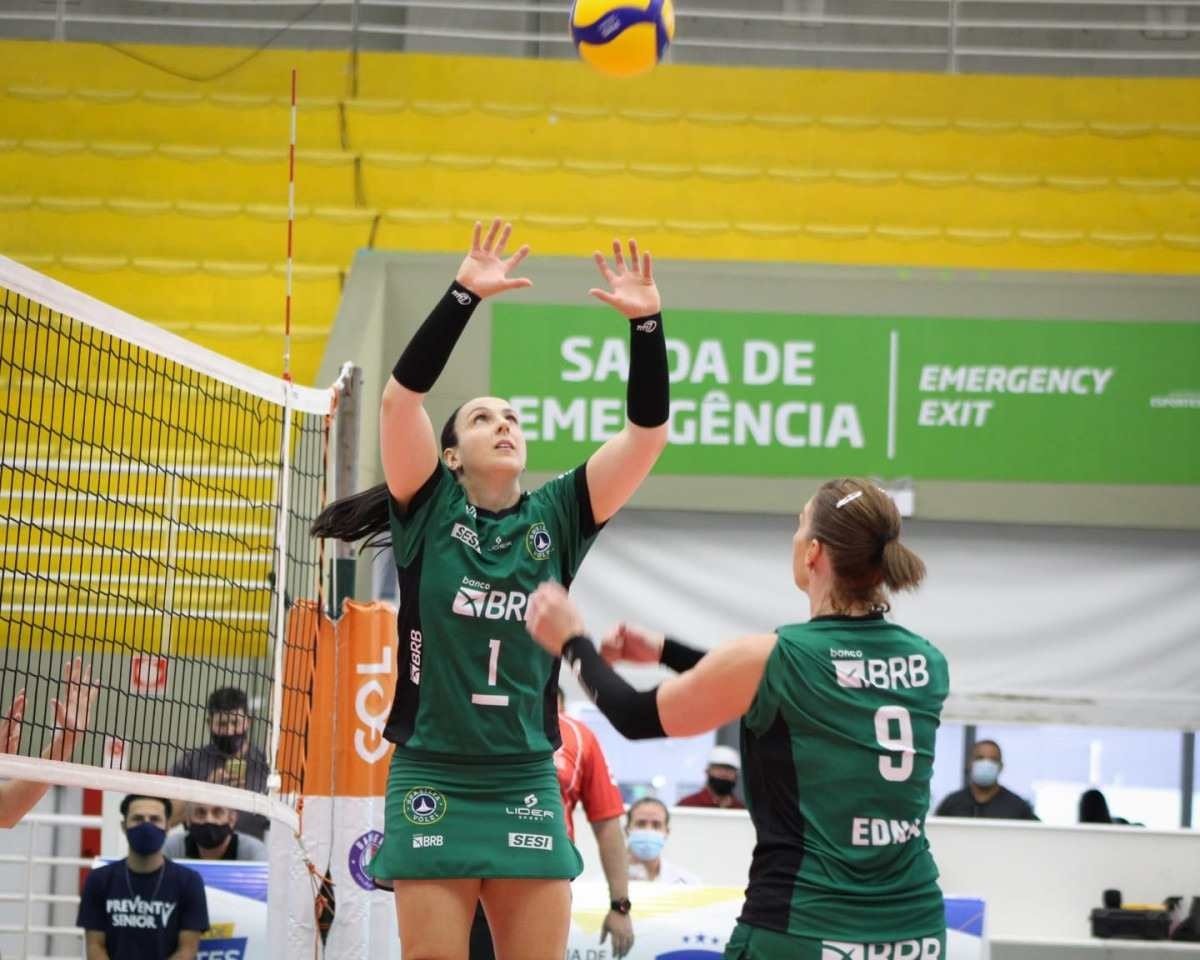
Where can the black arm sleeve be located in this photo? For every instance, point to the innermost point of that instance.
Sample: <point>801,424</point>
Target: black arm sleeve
<point>425,357</point>
<point>648,396</point>
<point>634,713</point>
<point>679,656</point>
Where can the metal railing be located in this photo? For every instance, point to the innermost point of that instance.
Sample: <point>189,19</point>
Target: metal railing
<point>28,928</point>
<point>1055,36</point>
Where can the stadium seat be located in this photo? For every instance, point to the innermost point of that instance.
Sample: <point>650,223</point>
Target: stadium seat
<point>151,171</point>
<point>40,112</point>
<point>233,308</point>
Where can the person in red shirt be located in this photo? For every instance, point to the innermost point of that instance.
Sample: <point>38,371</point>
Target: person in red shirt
<point>722,772</point>
<point>584,777</point>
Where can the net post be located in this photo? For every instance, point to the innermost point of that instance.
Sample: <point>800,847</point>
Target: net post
<point>347,422</point>
<point>274,781</point>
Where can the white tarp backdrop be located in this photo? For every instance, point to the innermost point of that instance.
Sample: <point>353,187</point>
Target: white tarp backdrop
<point>1040,624</point>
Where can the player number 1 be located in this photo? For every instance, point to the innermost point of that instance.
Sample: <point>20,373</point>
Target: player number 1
<point>491,699</point>
<point>895,769</point>
<point>494,661</point>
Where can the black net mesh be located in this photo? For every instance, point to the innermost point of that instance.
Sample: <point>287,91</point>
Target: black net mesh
<point>140,500</point>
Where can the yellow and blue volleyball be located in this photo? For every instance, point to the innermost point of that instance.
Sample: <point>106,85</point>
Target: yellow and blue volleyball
<point>622,37</point>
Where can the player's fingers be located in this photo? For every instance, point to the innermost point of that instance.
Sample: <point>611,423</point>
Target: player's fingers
<point>516,259</point>
<point>504,235</point>
<point>603,267</point>
<point>647,267</point>
<point>604,296</point>
<point>619,256</point>
<point>516,283</point>
<point>476,236</point>
<point>489,244</point>
<point>634,263</point>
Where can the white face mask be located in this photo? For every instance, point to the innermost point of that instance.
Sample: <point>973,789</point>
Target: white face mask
<point>984,773</point>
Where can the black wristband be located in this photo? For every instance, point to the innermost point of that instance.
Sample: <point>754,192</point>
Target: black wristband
<point>634,713</point>
<point>425,357</point>
<point>679,656</point>
<point>648,396</point>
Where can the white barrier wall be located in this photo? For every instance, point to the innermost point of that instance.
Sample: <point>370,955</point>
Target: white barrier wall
<point>1040,882</point>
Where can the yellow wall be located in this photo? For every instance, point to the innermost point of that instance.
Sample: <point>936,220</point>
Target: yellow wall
<point>111,164</point>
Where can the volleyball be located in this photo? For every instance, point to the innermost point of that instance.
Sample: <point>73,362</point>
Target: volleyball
<point>622,37</point>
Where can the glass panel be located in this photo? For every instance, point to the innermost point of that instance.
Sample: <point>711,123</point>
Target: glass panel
<point>1137,770</point>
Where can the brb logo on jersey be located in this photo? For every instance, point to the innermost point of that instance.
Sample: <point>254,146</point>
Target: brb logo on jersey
<point>423,806</point>
<point>890,674</point>
<point>927,948</point>
<point>477,599</point>
<point>538,542</point>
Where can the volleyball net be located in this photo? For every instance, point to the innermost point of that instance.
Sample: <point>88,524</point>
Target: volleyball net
<point>155,499</point>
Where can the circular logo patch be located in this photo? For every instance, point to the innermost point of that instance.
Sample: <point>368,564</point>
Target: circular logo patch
<point>537,541</point>
<point>362,852</point>
<point>423,806</point>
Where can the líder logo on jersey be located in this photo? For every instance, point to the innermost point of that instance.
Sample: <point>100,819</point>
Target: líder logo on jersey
<point>423,806</point>
<point>537,541</point>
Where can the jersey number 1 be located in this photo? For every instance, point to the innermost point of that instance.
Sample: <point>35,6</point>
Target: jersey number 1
<point>897,769</point>
<point>491,699</point>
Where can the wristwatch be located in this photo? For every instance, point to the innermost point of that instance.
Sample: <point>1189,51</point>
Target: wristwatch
<point>622,906</point>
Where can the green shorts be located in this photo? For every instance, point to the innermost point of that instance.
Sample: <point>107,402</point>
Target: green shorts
<point>445,820</point>
<point>755,943</point>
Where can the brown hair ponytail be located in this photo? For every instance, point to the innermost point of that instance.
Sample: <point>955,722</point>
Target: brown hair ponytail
<point>859,525</point>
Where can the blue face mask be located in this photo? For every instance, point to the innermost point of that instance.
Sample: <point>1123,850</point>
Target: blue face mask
<point>646,844</point>
<point>146,838</point>
<point>984,773</point>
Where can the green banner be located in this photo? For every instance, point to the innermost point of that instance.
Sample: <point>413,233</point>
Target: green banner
<point>766,394</point>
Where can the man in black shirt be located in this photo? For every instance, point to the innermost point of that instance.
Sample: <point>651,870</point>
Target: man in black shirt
<point>144,907</point>
<point>229,757</point>
<point>983,796</point>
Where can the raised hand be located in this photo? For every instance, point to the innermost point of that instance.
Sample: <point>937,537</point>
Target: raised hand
<point>485,271</point>
<point>73,712</point>
<point>632,290</point>
<point>632,644</point>
<point>10,726</point>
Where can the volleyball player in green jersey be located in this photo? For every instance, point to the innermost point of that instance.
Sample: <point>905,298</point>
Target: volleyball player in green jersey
<point>838,722</point>
<point>473,806</point>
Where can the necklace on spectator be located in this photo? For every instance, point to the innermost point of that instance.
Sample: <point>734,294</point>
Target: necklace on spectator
<point>162,872</point>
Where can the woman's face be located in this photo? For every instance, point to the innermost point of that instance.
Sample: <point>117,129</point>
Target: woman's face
<point>489,438</point>
<point>801,543</point>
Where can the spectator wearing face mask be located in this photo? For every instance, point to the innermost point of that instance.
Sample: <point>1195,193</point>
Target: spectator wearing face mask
<point>724,764</point>
<point>983,795</point>
<point>212,835</point>
<point>146,906</point>
<point>229,757</point>
<point>647,826</point>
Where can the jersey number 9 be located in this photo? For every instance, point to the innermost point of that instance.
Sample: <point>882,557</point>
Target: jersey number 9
<point>899,768</point>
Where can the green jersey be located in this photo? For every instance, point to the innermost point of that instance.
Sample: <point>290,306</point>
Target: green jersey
<point>470,682</point>
<point>837,750</point>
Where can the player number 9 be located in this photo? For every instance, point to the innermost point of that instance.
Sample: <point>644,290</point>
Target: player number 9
<point>893,768</point>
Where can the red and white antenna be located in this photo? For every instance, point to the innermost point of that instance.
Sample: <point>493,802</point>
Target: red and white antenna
<point>291,226</point>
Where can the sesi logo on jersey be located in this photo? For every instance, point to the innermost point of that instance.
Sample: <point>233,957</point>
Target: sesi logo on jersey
<point>466,535</point>
<point>531,841</point>
<point>890,674</point>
